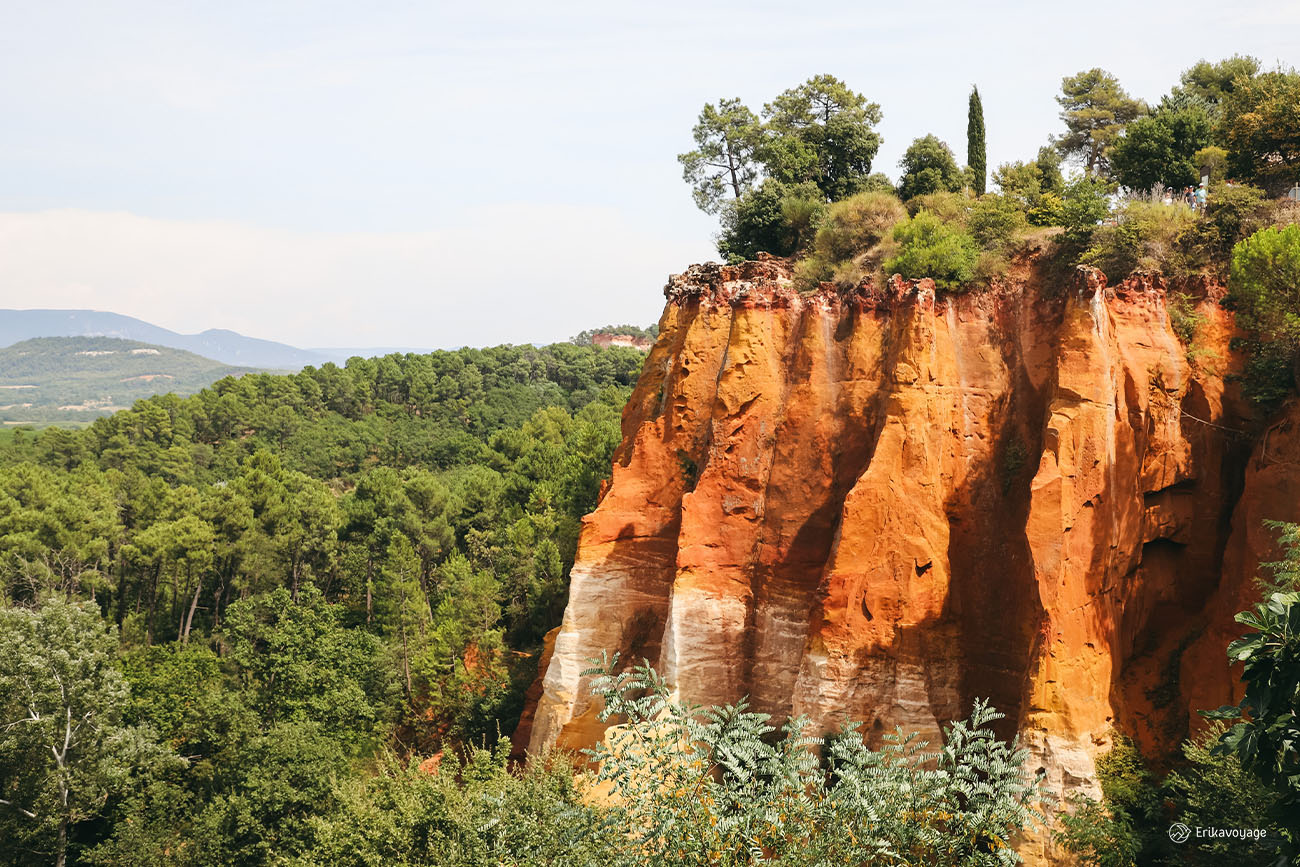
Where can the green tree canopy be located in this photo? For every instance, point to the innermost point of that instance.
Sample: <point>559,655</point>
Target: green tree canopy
<point>824,133</point>
<point>928,167</point>
<point>1211,84</point>
<point>64,749</point>
<point>1095,109</point>
<point>1161,148</point>
<point>1260,127</point>
<point>724,163</point>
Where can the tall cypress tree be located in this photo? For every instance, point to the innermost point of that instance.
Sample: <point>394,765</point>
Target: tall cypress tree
<point>976,156</point>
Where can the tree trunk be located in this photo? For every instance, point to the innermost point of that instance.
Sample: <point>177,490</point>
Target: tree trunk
<point>406,658</point>
<point>153,606</point>
<point>61,857</point>
<point>370,583</point>
<point>194,603</point>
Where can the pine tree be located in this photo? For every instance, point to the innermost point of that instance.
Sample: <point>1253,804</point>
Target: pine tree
<point>976,155</point>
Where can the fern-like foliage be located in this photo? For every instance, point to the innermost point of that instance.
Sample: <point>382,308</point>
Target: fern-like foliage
<point>721,786</point>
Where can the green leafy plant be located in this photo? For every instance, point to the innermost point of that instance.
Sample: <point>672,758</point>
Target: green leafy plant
<point>1266,734</point>
<point>848,240</point>
<point>1145,237</point>
<point>1083,205</point>
<point>720,786</point>
<point>995,221</point>
<point>775,218</point>
<point>1265,290</point>
<point>929,167</point>
<point>928,247</point>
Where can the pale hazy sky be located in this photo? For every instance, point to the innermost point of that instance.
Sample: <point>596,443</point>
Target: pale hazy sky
<point>438,174</point>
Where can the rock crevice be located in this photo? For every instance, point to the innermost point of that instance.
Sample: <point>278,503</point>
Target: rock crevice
<point>883,504</point>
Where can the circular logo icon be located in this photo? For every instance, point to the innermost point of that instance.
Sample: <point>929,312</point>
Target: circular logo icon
<point>1178,832</point>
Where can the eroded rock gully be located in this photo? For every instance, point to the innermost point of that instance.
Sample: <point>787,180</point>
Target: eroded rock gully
<point>881,505</point>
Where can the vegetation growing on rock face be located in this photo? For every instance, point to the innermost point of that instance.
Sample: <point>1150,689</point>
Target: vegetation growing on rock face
<point>1243,777</point>
<point>1265,289</point>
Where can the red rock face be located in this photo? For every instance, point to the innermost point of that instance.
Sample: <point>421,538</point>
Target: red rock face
<point>881,506</point>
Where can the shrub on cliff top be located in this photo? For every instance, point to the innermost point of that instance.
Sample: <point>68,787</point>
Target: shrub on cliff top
<point>848,243</point>
<point>1232,212</point>
<point>775,218</point>
<point>949,207</point>
<point>1146,237</point>
<point>929,247</point>
<point>855,225</point>
<point>1083,206</point>
<point>995,221</point>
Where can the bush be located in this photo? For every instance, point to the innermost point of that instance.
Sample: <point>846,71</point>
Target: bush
<point>1083,206</point>
<point>995,221</point>
<point>1034,187</point>
<point>1265,283</point>
<point>1146,238</point>
<point>1121,829</point>
<point>932,248</point>
<point>1214,791</point>
<point>1211,790</point>
<point>1049,211</point>
<point>848,243</point>
<point>695,786</point>
<point>1264,287</point>
<point>1184,318</point>
<point>855,225</point>
<point>949,207</point>
<point>1232,211</point>
<point>471,812</point>
<point>775,218</point>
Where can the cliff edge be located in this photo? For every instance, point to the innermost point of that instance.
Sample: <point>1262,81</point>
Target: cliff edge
<point>881,505</point>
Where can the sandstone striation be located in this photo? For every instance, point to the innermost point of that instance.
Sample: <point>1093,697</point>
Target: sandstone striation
<point>883,504</point>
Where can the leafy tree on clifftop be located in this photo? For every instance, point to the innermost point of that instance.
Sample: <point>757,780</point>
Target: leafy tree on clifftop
<point>724,161</point>
<point>1260,127</point>
<point>1095,109</point>
<point>929,167</point>
<point>1210,84</point>
<point>1161,149</point>
<point>823,132</point>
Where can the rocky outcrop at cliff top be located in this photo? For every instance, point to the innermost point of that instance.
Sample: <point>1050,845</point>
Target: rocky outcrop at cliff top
<point>879,506</point>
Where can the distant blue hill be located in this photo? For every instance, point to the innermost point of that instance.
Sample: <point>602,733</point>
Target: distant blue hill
<point>228,347</point>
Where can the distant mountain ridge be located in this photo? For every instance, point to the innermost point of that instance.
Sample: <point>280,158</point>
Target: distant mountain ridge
<point>219,344</point>
<point>75,379</point>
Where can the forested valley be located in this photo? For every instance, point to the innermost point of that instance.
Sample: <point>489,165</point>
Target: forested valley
<point>296,573</point>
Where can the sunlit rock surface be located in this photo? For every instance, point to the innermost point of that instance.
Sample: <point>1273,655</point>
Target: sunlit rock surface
<point>883,504</point>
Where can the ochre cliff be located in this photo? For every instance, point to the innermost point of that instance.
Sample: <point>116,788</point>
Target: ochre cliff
<point>883,504</point>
